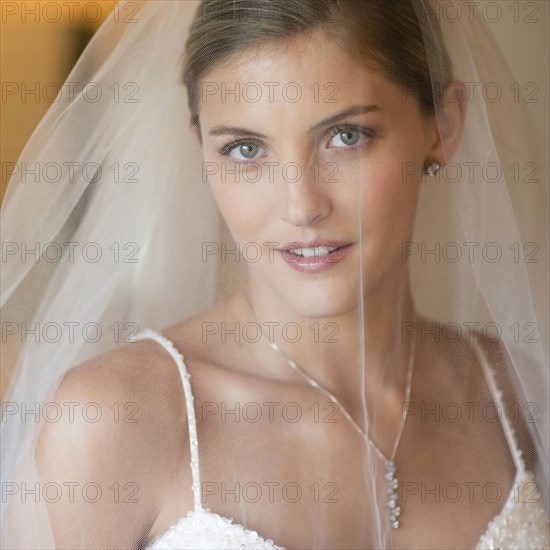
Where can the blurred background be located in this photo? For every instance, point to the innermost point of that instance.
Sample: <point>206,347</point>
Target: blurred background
<point>40,41</point>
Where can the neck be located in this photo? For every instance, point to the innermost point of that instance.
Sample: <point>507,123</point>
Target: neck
<point>329,349</point>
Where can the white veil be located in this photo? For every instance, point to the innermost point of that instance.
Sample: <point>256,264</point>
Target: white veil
<point>120,232</point>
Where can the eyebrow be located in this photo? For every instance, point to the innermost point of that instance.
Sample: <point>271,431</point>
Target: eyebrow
<point>353,111</point>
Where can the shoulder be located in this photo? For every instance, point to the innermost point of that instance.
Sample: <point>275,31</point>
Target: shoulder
<point>122,428</point>
<point>514,403</point>
<point>134,373</point>
<point>130,392</point>
<point>451,348</point>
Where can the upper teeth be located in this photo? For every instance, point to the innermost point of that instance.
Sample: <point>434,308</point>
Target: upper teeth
<point>314,252</point>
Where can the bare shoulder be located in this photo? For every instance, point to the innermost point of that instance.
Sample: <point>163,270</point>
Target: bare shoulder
<point>517,409</point>
<point>120,433</point>
<point>130,377</point>
<point>134,390</point>
<point>452,351</point>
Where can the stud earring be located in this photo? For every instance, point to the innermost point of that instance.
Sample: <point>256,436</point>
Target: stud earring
<point>433,168</point>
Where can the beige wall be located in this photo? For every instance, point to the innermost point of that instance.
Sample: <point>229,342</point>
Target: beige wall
<point>35,48</point>
<point>526,46</point>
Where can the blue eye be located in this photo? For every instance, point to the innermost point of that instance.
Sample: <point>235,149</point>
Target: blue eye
<point>343,137</point>
<point>349,136</point>
<point>242,150</point>
<point>248,151</point>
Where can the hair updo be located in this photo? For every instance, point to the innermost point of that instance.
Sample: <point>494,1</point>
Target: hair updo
<point>383,35</point>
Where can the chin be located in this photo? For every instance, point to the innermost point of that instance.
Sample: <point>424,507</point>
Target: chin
<point>324,299</point>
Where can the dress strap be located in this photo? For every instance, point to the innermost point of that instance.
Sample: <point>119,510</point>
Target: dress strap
<point>193,440</point>
<point>497,396</point>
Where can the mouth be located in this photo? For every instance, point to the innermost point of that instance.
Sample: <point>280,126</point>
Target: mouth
<point>312,251</point>
<point>314,256</point>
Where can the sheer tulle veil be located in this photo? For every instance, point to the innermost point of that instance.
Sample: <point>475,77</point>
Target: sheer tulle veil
<point>130,236</point>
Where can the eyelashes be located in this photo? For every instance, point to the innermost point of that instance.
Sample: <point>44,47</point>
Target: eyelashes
<point>226,149</point>
<point>344,128</point>
<point>351,129</point>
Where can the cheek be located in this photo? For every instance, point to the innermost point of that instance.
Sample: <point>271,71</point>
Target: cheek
<point>387,198</point>
<point>241,207</point>
<point>236,201</point>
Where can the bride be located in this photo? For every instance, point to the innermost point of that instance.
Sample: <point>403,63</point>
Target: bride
<point>310,319</point>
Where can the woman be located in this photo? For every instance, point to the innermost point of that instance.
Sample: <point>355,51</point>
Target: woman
<point>293,330</point>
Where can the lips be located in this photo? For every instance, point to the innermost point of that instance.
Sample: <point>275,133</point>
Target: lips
<point>314,256</point>
<point>316,243</point>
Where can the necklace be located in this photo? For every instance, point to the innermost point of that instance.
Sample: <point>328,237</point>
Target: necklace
<point>392,483</point>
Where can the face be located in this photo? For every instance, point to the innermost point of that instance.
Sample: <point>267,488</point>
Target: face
<point>302,146</point>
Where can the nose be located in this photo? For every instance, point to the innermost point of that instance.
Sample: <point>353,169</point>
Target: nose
<point>304,199</point>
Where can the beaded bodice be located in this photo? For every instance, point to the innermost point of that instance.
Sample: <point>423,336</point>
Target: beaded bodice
<point>521,524</point>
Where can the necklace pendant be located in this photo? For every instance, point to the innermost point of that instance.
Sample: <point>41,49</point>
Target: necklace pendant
<point>392,484</point>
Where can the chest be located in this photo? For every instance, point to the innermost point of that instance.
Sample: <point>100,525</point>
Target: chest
<point>297,473</point>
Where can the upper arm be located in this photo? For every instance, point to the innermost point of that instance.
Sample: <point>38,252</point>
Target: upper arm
<point>110,453</point>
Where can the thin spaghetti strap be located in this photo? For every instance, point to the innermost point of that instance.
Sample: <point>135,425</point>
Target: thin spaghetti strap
<point>497,396</point>
<point>193,440</point>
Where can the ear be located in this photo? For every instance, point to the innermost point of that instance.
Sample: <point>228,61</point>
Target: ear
<point>449,123</point>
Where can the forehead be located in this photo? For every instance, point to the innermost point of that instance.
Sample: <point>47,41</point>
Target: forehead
<point>302,79</point>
